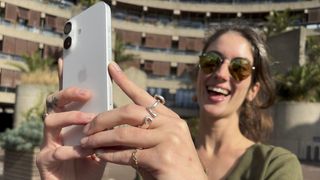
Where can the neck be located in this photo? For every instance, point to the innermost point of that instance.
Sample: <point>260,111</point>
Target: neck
<point>215,135</point>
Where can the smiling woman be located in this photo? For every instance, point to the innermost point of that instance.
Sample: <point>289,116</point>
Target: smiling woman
<point>233,86</point>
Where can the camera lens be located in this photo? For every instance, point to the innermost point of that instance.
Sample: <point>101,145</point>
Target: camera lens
<point>67,42</point>
<point>67,28</point>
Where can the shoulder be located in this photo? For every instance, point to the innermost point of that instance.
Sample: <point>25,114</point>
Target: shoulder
<point>270,151</point>
<point>263,161</point>
<point>279,163</point>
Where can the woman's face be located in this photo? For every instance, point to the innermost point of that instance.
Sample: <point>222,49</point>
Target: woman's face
<point>219,94</point>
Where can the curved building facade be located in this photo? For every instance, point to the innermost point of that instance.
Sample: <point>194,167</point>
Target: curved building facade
<point>166,35</point>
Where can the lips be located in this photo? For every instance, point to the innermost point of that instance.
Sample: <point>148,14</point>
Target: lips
<point>217,94</point>
<point>218,90</point>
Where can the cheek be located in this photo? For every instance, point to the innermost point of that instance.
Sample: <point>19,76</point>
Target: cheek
<point>242,89</point>
<point>200,85</point>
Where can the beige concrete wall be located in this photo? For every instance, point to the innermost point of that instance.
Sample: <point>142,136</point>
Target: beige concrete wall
<point>296,125</point>
<point>30,36</point>
<point>158,29</point>
<point>164,57</point>
<point>6,97</point>
<point>41,7</point>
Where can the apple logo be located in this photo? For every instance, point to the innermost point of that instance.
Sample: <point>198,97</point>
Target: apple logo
<point>82,75</point>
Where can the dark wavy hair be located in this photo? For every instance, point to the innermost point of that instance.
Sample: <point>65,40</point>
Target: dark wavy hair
<point>254,122</point>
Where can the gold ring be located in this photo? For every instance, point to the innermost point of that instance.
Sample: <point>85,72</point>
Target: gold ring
<point>134,159</point>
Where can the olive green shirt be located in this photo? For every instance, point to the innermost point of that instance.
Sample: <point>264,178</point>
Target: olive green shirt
<point>267,162</point>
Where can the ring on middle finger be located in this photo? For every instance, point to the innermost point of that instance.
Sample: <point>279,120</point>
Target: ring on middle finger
<point>147,120</point>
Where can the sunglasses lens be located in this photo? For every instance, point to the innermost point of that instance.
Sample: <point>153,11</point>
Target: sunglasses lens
<point>209,62</point>
<point>240,69</point>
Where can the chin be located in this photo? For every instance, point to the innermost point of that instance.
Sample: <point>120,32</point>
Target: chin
<point>211,110</point>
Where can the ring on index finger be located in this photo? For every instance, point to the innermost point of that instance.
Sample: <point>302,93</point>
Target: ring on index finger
<point>159,99</point>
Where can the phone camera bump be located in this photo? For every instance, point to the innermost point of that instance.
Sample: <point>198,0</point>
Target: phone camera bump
<point>67,28</point>
<point>67,42</point>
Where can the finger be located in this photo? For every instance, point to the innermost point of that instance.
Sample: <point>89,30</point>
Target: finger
<point>60,72</point>
<point>132,114</point>
<point>63,153</point>
<point>56,102</point>
<point>128,136</point>
<point>136,94</point>
<point>125,157</point>
<point>56,121</point>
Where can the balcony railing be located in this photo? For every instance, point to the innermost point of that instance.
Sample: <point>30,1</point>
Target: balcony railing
<point>167,51</point>
<point>4,56</point>
<point>58,3</point>
<point>182,98</point>
<point>234,1</point>
<point>21,26</point>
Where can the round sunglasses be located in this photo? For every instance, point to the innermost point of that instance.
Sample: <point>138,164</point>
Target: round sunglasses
<point>239,68</point>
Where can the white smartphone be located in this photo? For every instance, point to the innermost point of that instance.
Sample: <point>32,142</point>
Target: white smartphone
<point>87,53</point>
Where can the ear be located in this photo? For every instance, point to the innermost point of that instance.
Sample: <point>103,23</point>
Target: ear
<point>253,91</point>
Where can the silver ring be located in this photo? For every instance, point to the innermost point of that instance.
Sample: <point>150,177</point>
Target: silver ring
<point>146,122</point>
<point>154,105</point>
<point>160,98</point>
<point>44,116</point>
<point>51,103</point>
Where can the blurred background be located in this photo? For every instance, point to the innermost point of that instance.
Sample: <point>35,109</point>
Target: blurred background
<point>157,43</point>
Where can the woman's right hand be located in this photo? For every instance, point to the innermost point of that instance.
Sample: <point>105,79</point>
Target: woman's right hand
<point>56,161</point>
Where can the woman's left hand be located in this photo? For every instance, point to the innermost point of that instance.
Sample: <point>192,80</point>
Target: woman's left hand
<point>163,150</point>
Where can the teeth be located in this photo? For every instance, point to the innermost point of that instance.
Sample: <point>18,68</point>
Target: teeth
<point>219,90</point>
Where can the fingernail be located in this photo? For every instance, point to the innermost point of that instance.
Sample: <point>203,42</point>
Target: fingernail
<point>99,152</point>
<point>115,66</point>
<point>84,140</point>
<point>82,92</point>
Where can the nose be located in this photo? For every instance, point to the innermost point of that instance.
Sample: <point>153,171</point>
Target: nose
<point>222,73</point>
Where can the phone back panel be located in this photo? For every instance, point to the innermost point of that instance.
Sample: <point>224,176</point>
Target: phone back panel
<point>86,62</point>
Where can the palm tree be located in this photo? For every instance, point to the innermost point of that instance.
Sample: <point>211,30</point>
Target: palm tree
<point>119,52</point>
<point>301,83</point>
<point>34,63</point>
<point>279,21</point>
<point>313,49</point>
<point>88,3</point>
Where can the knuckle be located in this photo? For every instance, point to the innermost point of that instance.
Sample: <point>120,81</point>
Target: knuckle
<point>174,139</point>
<point>166,157</point>
<point>129,109</point>
<point>48,122</point>
<point>182,126</point>
<point>76,115</point>
<point>121,134</point>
